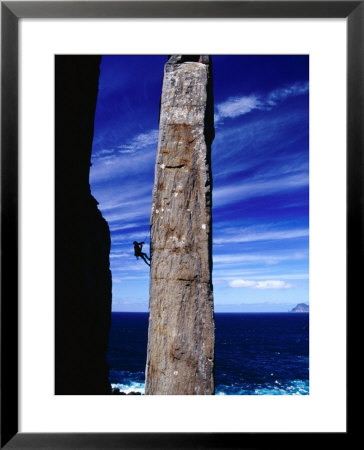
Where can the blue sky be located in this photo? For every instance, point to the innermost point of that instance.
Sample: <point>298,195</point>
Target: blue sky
<point>260,167</point>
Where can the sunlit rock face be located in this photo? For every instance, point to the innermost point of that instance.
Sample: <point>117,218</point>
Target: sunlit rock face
<point>180,357</point>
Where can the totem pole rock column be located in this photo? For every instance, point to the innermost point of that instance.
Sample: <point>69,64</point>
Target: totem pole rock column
<point>180,358</point>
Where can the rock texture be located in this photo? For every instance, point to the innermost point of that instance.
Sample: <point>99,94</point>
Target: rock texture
<point>301,307</point>
<point>180,356</point>
<point>83,278</point>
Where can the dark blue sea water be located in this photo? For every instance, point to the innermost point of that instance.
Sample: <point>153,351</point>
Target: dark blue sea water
<point>255,353</point>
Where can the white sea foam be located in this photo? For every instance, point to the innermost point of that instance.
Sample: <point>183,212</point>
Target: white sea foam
<point>295,387</point>
<point>133,386</point>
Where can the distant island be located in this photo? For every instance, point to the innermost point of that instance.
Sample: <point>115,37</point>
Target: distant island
<point>301,307</point>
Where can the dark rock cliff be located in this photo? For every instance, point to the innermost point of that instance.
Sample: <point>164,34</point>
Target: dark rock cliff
<point>83,278</point>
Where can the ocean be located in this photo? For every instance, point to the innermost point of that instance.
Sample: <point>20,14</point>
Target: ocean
<point>255,353</point>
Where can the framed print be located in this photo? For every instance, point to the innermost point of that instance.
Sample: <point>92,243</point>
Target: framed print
<point>287,95</point>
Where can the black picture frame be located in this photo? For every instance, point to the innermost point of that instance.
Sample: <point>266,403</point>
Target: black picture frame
<point>11,12</point>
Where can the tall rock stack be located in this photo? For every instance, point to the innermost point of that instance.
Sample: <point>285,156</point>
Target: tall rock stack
<point>180,358</point>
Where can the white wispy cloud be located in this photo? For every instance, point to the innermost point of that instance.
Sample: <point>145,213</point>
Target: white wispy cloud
<point>278,95</point>
<point>120,216</point>
<point>262,273</point>
<point>238,106</point>
<point>130,158</point>
<point>248,235</point>
<point>118,165</point>
<point>134,192</point>
<point>137,268</point>
<point>266,138</point>
<point>264,284</point>
<point>118,254</point>
<point>125,208</point>
<point>228,258</point>
<point>139,142</point>
<point>129,237</point>
<point>255,188</point>
<point>118,227</point>
<point>104,151</point>
<point>129,203</point>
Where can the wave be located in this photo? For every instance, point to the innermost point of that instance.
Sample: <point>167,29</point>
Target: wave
<point>294,387</point>
<point>134,386</point>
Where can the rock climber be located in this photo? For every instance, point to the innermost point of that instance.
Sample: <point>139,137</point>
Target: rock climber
<point>138,252</point>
